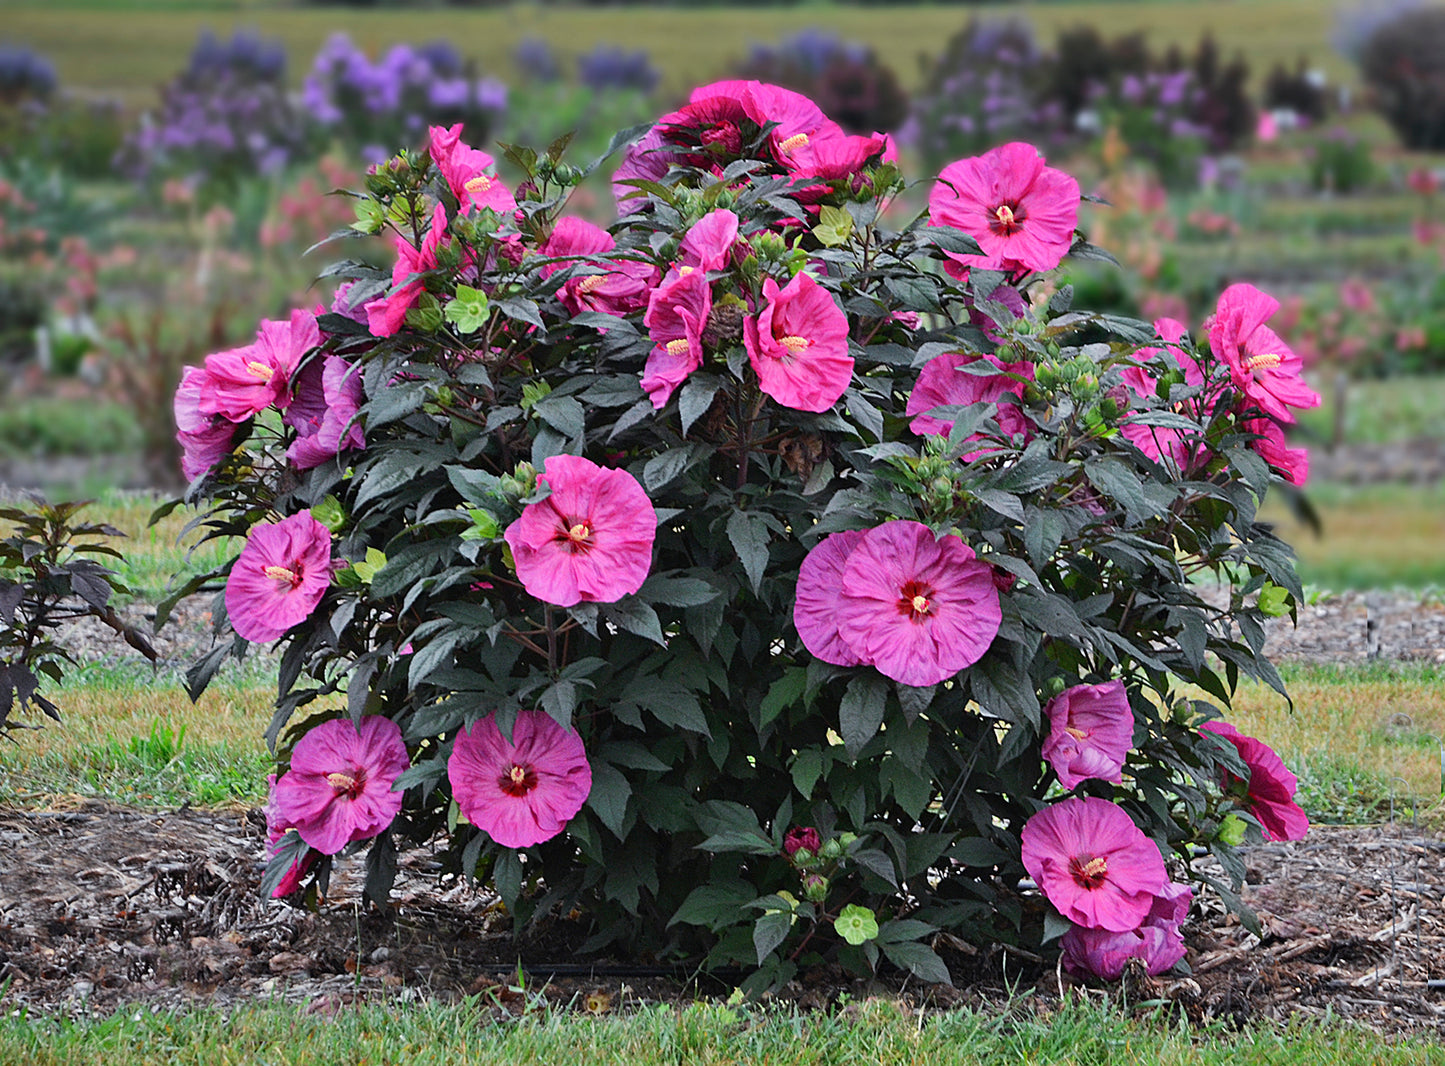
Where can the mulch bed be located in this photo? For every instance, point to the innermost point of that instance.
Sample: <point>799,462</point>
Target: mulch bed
<point>104,907</point>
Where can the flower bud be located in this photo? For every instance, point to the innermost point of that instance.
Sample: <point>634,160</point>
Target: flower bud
<point>1231,830</point>
<point>815,888</point>
<point>801,838</point>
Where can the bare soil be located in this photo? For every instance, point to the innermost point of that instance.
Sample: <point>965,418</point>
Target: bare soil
<point>104,907</point>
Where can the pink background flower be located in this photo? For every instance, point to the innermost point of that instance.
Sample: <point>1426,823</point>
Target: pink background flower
<point>523,791</point>
<point>798,345</point>
<point>917,607</point>
<point>710,241</point>
<point>591,539</point>
<point>204,439</point>
<point>1093,863</point>
<point>339,786</point>
<point>1091,732</point>
<point>1021,212</point>
<point>279,577</point>
<point>1271,785</point>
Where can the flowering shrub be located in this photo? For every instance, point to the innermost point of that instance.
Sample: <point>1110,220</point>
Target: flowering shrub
<point>847,79</point>
<point>371,105</point>
<point>691,616</point>
<point>1401,64</point>
<point>224,118</point>
<point>980,91</point>
<point>49,577</point>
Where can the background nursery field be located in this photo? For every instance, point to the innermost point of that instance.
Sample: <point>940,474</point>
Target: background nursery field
<point>166,172</point>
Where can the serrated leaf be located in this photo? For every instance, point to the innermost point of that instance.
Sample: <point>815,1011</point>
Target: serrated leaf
<point>749,535</point>
<point>860,711</point>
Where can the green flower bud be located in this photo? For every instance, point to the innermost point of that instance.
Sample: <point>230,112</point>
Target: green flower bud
<point>815,888</point>
<point>1231,830</point>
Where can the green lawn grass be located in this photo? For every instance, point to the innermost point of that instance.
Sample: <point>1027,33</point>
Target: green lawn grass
<point>130,46</point>
<point>872,1031</point>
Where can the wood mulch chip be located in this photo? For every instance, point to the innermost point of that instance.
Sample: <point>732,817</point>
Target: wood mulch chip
<point>103,908</point>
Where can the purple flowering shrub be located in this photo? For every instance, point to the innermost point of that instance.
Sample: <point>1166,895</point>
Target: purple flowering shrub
<point>371,105</point>
<point>847,79</point>
<point>223,119</point>
<point>770,579</point>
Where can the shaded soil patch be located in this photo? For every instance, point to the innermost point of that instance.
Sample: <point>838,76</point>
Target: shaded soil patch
<point>104,907</point>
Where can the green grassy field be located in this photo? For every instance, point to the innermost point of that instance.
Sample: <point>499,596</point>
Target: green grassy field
<point>871,1031</point>
<point>129,46</point>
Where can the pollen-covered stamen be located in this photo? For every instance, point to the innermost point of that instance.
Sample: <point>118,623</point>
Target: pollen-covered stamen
<point>578,536</point>
<point>344,784</point>
<point>793,143</point>
<point>518,780</point>
<point>1077,734</point>
<point>264,371</point>
<point>680,346</point>
<point>796,345</point>
<point>1089,873</point>
<point>281,573</point>
<point>591,282</point>
<point>1264,361</point>
<point>915,601</point>
<point>478,185</point>
<point>1007,220</point>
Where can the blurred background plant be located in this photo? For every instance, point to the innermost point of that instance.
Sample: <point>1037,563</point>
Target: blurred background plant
<point>845,78</point>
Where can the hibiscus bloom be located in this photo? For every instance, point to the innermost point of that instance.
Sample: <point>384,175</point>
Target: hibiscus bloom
<point>470,173</point>
<point>1093,863</point>
<point>1021,212</point>
<point>1161,443</point>
<point>1262,366</point>
<point>622,286</point>
<point>1091,731</point>
<point>590,540</point>
<point>328,395</point>
<point>204,439</point>
<point>1292,464</point>
<point>943,383</point>
<point>279,577</point>
<point>339,786</point>
<point>240,383</point>
<point>819,595</point>
<point>1157,943</point>
<point>386,315</point>
<point>277,826</point>
<point>798,345</point>
<point>524,790</point>
<point>709,243</point>
<point>677,313</point>
<point>918,607</point>
<point>1271,788</point>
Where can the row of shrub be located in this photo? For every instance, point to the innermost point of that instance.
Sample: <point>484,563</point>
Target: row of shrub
<point>229,113</point>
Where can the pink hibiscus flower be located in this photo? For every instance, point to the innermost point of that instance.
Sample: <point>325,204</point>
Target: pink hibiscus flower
<point>1093,863</point>
<point>523,791</point>
<point>470,173</point>
<point>621,288</point>
<point>1161,443</point>
<point>942,383</point>
<point>339,786</point>
<point>277,826</point>
<point>279,577</point>
<point>591,539</point>
<point>1091,731</point>
<point>1271,788</point>
<point>1262,366</point>
<point>798,345</point>
<point>204,439</point>
<point>676,315</point>
<point>328,395</point>
<point>1021,212</point>
<point>819,595</point>
<point>242,382</point>
<point>1292,464</point>
<point>709,243</point>
<point>385,316</point>
<point>1157,943</point>
<point>918,607</point>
